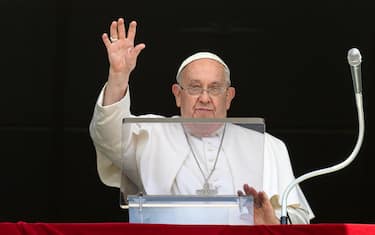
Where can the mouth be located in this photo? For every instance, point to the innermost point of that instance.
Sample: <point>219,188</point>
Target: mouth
<point>203,112</point>
<point>204,109</point>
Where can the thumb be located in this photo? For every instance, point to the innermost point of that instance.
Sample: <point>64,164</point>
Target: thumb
<point>136,50</point>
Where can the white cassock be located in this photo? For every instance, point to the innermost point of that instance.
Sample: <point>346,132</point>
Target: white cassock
<point>157,159</point>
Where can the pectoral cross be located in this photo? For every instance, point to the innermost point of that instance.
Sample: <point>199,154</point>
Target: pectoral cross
<point>207,190</point>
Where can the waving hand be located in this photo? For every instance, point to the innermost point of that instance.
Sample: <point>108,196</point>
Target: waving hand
<point>122,56</point>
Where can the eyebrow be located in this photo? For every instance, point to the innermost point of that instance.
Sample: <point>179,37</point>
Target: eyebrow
<point>199,82</point>
<point>194,81</point>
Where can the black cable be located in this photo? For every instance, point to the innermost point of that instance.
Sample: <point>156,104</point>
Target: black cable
<point>288,217</point>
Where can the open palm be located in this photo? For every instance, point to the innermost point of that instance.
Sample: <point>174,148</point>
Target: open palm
<point>122,53</point>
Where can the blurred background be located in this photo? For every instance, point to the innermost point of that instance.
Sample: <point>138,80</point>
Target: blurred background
<point>288,64</point>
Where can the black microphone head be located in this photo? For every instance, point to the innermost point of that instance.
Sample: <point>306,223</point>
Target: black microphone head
<point>354,57</point>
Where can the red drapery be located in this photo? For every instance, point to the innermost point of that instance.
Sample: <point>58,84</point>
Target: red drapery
<point>23,228</point>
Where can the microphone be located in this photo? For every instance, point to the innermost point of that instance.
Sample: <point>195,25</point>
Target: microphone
<point>354,59</point>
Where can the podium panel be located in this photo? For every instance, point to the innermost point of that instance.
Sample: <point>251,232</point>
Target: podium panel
<point>191,210</point>
<point>188,171</point>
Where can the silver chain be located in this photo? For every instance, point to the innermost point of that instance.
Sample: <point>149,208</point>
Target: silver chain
<point>196,159</point>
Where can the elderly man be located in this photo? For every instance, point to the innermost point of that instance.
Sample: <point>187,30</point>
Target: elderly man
<point>202,91</point>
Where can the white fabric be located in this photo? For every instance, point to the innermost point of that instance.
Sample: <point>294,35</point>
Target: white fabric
<point>201,55</point>
<point>158,175</point>
<point>189,178</point>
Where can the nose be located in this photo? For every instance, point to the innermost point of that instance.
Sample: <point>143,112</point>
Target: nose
<point>204,97</point>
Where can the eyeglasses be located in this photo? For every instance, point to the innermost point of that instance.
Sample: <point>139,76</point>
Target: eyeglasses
<point>212,91</point>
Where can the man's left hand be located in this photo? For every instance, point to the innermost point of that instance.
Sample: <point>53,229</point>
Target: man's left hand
<point>263,210</point>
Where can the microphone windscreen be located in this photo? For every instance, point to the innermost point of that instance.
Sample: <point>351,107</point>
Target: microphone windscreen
<point>354,57</point>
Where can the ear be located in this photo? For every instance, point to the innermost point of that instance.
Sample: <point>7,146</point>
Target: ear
<point>231,92</point>
<point>176,90</point>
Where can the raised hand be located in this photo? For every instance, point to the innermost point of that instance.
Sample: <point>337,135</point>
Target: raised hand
<point>263,210</point>
<point>122,56</point>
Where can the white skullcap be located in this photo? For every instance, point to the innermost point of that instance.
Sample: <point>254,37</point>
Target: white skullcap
<point>201,55</point>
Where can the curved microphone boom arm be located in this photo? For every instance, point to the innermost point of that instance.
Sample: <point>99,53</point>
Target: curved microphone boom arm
<point>354,59</point>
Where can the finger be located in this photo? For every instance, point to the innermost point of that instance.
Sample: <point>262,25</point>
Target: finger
<point>248,205</point>
<point>106,40</point>
<point>250,190</point>
<point>132,31</point>
<point>121,28</point>
<point>136,50</point>
<point>262,197</point>
<point>113,30</point>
